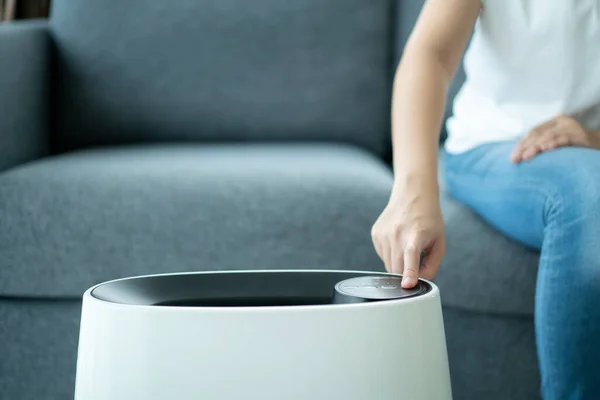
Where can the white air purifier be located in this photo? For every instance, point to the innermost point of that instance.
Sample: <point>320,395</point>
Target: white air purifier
<point>262,335</point>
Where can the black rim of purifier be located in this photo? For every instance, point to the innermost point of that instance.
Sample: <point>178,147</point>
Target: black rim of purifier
<point>242,289</point>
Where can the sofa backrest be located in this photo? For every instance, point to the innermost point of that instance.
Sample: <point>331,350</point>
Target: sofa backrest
<point>223,70</point>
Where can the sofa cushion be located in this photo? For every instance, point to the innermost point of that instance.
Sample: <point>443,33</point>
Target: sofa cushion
<point>483,270</point>
<point>72,221</point>
<point>223,70</point>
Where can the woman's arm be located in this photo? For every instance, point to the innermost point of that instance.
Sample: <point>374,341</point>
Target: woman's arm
<point>429,63</point>
<point>411,224</point>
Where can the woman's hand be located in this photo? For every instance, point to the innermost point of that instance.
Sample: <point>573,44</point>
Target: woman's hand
<point>561,131</point>
<point>411,225</point>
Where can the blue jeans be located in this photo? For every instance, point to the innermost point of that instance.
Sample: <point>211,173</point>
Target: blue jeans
<point>551,203</point>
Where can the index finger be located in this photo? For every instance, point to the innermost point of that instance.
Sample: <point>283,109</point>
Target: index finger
<point>412,259</point>
<point>517,152</point>
<point>523,145</point>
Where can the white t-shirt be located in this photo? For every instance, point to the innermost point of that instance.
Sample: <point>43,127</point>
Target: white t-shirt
<point>528,61</point>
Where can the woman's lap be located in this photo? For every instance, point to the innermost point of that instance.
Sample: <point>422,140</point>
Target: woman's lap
<point>518,199</point>
<point>551,203</point>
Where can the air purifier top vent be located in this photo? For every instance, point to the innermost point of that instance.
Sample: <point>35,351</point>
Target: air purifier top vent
<point>255,288</point>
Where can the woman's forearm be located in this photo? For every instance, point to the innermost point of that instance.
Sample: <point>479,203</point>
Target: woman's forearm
<point>419,99</point>
<point>431,58</point>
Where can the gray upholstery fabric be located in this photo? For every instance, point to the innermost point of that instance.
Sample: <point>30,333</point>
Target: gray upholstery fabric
<point>75,220</point>
<point>483,271</point>
<point>223,70</point>
<point>491,357</point>
<point>24,90</point>
<point>38,347</point>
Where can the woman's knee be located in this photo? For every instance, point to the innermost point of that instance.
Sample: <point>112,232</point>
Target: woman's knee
<point>572,233</point>
<point>574,196</point>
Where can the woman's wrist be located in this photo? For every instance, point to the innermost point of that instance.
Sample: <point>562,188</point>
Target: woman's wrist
<point>420,182</point>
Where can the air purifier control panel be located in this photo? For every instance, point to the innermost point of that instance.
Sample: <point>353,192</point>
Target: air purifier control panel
<point>375,288</point>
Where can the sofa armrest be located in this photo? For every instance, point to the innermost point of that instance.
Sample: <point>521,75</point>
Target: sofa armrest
<point>24,91</point>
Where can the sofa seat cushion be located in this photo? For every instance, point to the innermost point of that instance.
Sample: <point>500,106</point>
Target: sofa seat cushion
<point>71,221</point>
<point>483,270</point>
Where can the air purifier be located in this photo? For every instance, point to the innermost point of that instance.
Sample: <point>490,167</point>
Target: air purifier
<point>262,335</point>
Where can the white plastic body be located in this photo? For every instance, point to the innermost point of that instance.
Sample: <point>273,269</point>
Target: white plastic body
<point>388,350</point>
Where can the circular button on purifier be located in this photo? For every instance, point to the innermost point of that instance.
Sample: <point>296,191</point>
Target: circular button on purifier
<point>375,288</point>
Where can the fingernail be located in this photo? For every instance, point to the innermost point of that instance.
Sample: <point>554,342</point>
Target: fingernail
<point>407,281</point>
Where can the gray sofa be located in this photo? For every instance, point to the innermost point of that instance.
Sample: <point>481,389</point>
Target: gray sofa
<point>197,134</point>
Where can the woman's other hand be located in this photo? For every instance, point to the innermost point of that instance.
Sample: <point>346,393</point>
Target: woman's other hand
<point>561,131</point>
<point>410,226</point>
